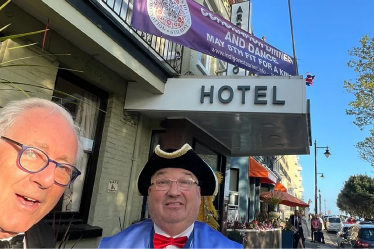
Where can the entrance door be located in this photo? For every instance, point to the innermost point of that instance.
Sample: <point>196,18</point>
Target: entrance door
<point>218,163</point>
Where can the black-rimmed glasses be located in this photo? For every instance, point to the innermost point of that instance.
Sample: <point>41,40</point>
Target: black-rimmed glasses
<point>165,184</point>
<point>34,160</point>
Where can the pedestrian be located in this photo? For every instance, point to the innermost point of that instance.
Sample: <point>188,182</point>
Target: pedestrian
<point>315,224</point>
<point>174,181</point>
<point>296,226</point>
<point>320,227</point>
<point>305,231</point>
<point>38,148</point>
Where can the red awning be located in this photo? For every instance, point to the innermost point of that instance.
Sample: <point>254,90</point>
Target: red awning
<point>279,186</point>
<point>287,199</point>
<point>257,170</point>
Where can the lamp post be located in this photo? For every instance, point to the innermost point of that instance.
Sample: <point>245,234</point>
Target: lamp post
<point>327,154</point>
<point>320,206</point>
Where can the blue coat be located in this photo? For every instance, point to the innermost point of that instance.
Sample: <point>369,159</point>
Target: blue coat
<point>139,235</point>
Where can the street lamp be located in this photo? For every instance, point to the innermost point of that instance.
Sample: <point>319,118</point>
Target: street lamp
<point>322,177</point>
<point>327,154</point>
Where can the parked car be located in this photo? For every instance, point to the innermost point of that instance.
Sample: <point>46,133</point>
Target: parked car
<point>324,218</point>
<point>333,224</point>
<point>341,236</point>
<point>361,236</point>
<point>350,220</point>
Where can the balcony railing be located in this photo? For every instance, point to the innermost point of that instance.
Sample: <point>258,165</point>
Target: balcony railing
<point>120,13</point>
<point>260,159</point>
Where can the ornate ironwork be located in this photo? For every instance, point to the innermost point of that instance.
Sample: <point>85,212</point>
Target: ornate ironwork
<point>167,52</point>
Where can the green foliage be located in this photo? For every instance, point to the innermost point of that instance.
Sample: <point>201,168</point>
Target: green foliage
<point>235,236</point>
<point>362,87</point>
<point>274,199</point>
<point>357,196</point>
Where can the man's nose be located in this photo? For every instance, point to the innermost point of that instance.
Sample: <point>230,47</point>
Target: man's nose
<point>174,189</point>
<point>45,178</point>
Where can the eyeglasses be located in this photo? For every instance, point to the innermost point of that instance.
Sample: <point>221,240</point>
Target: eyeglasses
<point>165,184</point>
<point>34,160</point>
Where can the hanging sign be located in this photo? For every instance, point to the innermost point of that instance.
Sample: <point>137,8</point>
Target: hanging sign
<point>191,25</point>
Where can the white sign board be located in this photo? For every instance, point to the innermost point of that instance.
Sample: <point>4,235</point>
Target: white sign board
<point>241,17</point>
<point>254,94</point>
<point>113,186</point>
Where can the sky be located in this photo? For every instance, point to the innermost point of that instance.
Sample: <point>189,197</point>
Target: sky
<point>323,31</point>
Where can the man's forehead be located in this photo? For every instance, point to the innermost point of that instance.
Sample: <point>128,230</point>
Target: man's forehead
<point>167,171</point>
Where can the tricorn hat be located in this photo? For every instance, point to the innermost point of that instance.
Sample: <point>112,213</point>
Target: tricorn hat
<point>184,158</point>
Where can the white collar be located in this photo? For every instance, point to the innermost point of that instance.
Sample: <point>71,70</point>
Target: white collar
<point>186,232</point>
<point>8,239</point>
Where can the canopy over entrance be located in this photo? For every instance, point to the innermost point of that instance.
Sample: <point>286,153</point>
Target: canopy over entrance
<point>287,199</point>
<point>262,115</point>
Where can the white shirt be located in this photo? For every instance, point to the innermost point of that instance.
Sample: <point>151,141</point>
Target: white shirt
<point>186,232</point>
<point>24,240</point>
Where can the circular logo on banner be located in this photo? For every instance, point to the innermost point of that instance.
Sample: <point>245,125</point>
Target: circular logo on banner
<point>171,17</point>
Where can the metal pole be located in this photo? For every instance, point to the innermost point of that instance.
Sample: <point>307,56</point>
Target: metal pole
<point>325,206</point>
<point>320,206</point>
<point>315,177</point>
<point>293,41</point>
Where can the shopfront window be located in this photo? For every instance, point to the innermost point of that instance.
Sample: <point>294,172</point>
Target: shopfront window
<point>85,107</point>
<point>210,157</point>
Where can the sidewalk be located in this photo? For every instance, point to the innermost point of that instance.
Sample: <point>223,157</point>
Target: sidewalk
<point>329,242</point>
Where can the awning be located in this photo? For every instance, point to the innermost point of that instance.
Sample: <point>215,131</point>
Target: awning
<point>287,199</point>
<point>235,111</point>
<point>257,170</point>
<point>279,187</point>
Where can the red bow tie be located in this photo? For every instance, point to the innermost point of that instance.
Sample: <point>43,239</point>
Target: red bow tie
<point>160,241</point>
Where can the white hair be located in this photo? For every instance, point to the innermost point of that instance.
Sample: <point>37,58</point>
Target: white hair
<point>11,111</point>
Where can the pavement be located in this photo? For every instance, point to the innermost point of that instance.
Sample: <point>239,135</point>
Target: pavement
<point>330,241</point>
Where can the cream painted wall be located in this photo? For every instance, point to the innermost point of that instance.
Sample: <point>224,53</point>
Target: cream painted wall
<point>43,76</point>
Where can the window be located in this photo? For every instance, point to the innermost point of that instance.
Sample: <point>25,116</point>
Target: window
<point>367,234</point>
<point>234,180</point>
<point>83,101</point>
<point>203,63</point>
<point>209,156</point>
<point>334,220</point>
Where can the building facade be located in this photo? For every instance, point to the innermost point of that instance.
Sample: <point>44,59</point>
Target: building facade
<point>123,88</point>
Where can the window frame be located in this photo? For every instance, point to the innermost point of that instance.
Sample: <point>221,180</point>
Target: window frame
<point>82,215</point>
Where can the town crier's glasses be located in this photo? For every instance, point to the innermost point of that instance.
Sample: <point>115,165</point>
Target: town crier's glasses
<point>34,160</point>
<point>165,184</point>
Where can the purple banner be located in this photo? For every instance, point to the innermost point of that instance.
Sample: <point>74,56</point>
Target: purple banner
<point>191,25</point>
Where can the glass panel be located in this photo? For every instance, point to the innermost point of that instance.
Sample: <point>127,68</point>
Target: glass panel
<point>234,178</point>
<point>84,108</point>
<point>207,155</point>
<point>367,234</point>
<point>334,220</point>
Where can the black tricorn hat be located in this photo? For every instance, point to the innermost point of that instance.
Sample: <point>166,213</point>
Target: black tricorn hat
<point>184,158</point>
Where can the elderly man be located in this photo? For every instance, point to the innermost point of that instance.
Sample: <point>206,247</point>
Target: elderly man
<point>174,180</point>
<point>38,147</point>
<point>295,223</point>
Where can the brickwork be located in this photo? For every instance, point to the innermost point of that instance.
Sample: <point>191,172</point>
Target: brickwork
<point>145,140</point>
<point>115,163</point>
<point>43,75</point>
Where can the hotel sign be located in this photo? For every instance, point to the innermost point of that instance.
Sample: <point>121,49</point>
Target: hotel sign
<point>252,94</point>
<point>259,96</point>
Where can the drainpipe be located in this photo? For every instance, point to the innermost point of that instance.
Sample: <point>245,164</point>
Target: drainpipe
<point>133,174</point>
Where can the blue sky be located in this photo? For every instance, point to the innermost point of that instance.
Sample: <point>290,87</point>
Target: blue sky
<point>324,31</point>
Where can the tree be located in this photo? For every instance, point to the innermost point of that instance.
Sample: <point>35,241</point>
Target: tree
<point>357,196</point>
<point>363,90</point>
